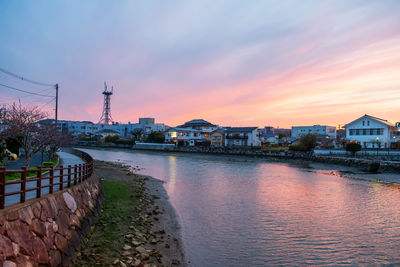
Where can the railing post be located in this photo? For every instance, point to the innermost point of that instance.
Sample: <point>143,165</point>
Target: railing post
<point>84,170</point>
<point>69,175</point>
<point>75,173</point>
<point>80,173</point>
<point>3,186</point>
<point>51,180</point>
<point>39,182</point>
<point>61,177</point>
<point>23,184</point>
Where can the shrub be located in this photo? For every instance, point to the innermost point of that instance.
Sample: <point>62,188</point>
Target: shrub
<point>353,148</point>
<point>298,147</point>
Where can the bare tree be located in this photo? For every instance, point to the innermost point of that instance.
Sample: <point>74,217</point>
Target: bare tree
<point>21,124</point>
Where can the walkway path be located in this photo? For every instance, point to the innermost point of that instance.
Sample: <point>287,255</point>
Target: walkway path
<point>65,160</point>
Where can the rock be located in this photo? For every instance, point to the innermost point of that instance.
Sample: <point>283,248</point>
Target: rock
<point>26,214</point>
<point>74,220</point>
<point>167,245</point>
<point>116,262</point>
<point>36,209</point>
<point>18,232</point>
<point>153,241</point>
<point>9,264</point>
<point>39,251</point>
<point>137,263</point>
<point>145,256</point>
<point>127,247</point>
<point>61,242</point>
<point>141,250</point>
<point>70,201</point>
<point>38,227</point>
<point>6,247</point>
<point>23,260</point>
<point>55,258</point>
<point>15,248</point>
<point>122,264</point>
<point>62,221</point>
<point>136,243</point>
<point>175,262</point>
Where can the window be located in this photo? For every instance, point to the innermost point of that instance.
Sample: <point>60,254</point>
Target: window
<point>368,123</point>
<point>364,132</point>
<point>363,123</point>
<point>180,134</point>
<point>357,131</point>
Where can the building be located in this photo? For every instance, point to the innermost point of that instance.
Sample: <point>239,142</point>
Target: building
<point>146,121</point>
<point>78,128</point>
<point>184,136</point>
<point>217,138</point>
<point>373,132</point>
<point>269,139</point>
<point>242,136</point>
<point>319,130</point>
<point>199,124</point>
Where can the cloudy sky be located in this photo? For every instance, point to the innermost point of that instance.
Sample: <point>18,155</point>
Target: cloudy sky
<point>239,63</point>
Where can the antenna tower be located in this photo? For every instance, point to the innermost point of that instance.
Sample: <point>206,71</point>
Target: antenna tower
<point>106,115</point>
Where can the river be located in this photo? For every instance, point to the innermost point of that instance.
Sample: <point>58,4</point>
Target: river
<point>238,211</point>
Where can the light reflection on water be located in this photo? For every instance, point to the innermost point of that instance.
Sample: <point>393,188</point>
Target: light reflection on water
<point>247,212</point>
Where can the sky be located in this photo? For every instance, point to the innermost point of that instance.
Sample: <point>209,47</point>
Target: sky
<point>233,63</point>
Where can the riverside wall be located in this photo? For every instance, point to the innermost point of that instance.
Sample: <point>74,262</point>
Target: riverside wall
<point>371,165</point>
<point>47,231</point>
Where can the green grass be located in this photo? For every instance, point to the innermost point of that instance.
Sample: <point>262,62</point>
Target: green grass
<point>107,237</point>
<point>46,164</point>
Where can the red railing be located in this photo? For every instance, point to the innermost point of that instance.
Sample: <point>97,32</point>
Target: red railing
<point>67,176</point>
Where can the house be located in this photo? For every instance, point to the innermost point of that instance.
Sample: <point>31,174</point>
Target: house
<point>184,136</point>
<point>199,124</point>
<point>319,130</point>
<point>217,138</point>
<point>107,132</point>
<point>242,136</point>
<point>372,132</point>
<point>269,138</point>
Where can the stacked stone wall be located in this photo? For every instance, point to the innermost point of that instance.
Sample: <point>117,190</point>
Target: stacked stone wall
<point>47,231</point>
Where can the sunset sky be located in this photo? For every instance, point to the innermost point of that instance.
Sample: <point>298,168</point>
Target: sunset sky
<point>237,63</point>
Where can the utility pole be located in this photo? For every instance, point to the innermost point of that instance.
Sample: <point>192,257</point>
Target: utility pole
<point>56,103</point>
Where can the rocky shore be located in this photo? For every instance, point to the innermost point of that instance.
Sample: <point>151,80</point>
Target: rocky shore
<point>149,236</point>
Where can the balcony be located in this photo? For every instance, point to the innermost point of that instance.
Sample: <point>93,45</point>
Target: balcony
<point>236,137</point>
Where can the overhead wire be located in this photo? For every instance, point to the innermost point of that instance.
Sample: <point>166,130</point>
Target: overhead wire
<point>24,91</point>
<point>25,79</point>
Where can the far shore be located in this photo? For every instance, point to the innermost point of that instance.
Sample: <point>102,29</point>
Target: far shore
<point>339,170</point>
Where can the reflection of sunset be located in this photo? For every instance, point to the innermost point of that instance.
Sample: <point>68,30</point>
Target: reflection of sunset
<point>172,174</point>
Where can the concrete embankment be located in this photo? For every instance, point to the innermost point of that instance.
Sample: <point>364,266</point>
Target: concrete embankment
<point>47,231</point>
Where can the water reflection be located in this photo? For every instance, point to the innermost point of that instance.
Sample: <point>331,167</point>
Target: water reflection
<point>247,212</point>
<point>172,174</point>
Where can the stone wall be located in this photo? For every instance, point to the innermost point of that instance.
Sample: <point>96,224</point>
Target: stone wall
<point>47,231</point>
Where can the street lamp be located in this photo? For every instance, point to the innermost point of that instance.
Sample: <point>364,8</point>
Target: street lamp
<point>377,145</point>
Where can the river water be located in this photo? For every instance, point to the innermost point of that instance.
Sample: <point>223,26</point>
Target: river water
<point>238,211</point>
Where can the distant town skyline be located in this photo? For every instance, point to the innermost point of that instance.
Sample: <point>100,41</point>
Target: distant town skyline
<point>233,63</point>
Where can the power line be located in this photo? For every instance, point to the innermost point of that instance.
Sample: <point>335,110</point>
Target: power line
<point>25,79</point>
<point>27,92</point>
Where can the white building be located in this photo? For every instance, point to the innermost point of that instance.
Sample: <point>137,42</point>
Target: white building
<point>319,130</point>
<point>242,136</point>
<point>184,136</point>
<point>78,128</point>
<point>372,132</point>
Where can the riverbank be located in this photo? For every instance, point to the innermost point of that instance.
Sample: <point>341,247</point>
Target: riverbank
<point>138,225</point>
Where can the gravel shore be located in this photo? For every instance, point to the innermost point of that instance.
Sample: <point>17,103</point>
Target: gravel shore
<point>153,235</point>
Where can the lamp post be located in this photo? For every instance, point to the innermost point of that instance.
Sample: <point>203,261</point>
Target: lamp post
<point>377,145</point>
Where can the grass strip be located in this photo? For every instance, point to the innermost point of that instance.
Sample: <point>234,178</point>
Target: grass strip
<point>107,237</point>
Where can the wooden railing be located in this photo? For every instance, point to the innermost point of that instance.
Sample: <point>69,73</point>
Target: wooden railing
<point>53,179</point>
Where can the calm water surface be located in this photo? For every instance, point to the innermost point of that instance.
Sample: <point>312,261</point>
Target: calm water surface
<point>238,211</point>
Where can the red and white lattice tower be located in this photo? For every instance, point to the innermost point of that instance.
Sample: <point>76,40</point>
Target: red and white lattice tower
<point>106,115</point>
